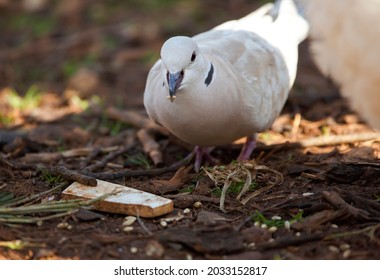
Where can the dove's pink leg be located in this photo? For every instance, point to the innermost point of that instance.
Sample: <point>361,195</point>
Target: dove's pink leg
<point>249,146</point>
<point>203,154</point>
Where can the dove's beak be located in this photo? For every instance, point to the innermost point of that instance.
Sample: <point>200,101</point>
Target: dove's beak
<point>174,82</point>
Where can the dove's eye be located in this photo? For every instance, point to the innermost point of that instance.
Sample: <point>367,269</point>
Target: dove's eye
<point>193,56</point>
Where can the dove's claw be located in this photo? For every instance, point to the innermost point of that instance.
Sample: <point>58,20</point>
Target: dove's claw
<point>203,154</point>
<point>248,148</point>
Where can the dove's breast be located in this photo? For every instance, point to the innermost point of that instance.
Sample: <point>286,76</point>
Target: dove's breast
<point>249,87</point>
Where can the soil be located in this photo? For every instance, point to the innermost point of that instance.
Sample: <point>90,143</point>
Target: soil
<point>75,62</point>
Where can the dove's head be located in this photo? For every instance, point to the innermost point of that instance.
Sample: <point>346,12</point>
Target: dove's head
<point>179,55</point>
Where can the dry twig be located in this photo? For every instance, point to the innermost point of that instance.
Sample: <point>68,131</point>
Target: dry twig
<point>150,146</point>
<point>109,157</point>
<point>136,119</point>
<point>71,175</point>
<point>320,141</point>
<point>339,139</point>
<point>287,241</point>
<point>336,201</point>
<point>138,173</point>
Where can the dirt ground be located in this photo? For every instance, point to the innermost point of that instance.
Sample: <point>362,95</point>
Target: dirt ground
<point>73,72</point>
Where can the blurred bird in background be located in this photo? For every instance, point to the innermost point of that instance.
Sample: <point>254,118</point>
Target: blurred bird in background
<point>345,44</point>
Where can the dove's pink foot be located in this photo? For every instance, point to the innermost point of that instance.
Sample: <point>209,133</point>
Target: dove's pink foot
<point>248,148</point>
<point>203,154</point>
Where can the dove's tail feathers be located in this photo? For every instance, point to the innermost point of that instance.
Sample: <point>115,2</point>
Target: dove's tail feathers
<point>289,21</point>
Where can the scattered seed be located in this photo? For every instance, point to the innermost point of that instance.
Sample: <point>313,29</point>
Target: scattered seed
<point>307,194</point>
<point>63,225</point>
<point>334,226</point>
<point>175,218</point>
<point>189,257</point>
<point>271,240</point>
<point>344,246</point>
<point>264,226</point>
<point>248,165</point>
<point>287,225</point>
<point>129,220</point>
<point>251,245</point>
<point>298,233</point>
<point>154,249</point>
<point>164,223</point>
<point>257,224</point>
<point>197,204</point>
<point>272,229</point>
<point>133,250</point>
<point>346,254</point>
<point>334,249</point>
<point>128,229</point>
<point>276,218</point>
<point>186,211</point>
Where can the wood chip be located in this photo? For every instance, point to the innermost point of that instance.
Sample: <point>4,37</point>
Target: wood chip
<point>124,200</point>
<point>41,157</point>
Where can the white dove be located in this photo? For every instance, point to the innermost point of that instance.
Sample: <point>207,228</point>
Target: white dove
<point>229,82</point>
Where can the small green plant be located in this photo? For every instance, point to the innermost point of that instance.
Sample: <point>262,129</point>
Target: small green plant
<point>234,189</point>
<point>52,179</point>
<point>259,217</point>
<point>30,100</point>
<point>116,128</point>
<point>139,160</point>
<point>112,127</point>
<point>6,120</point>
<point>265,136</point>
<point>71,66</point>
<point>325,130</point>
<point>187,189</point>
<point>79,102</point>
<point>39,26</point>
